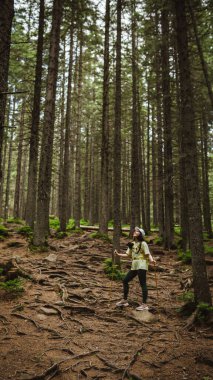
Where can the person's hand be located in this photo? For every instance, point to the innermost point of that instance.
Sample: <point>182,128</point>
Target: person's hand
<point>116,252</point>
<point>154,262</point>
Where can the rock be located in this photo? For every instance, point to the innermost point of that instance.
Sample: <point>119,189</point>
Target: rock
<point>144,316</point>
<point>51,258</point>
<point>48,311</point>
<point>42,317</point>
<point>86,290</point>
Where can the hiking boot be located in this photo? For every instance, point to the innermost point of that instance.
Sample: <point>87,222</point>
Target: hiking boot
<point>142,307</point>
<point>122,303</point>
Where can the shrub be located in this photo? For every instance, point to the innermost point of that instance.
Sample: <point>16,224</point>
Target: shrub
<point>54,222</point>
<point>3,231</point>
<point>208,249</point>
<point>84,222</point>
<point>15,220</point>
<point>186,257</point>
<point>25,230</point>
<point>187,297</point>
<point>12,286</point>
<point>70,225</point>
<point>60,235</point>
<point>112,270</point>
<point>99,235</point>
<point>158,241</point>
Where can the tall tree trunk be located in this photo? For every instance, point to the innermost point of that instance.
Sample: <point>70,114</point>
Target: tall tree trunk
<point>117,140</point>
<point>160,204</point>
<point>62,127</point>
<point>205,175</point>
<point>16,211</point>
<point>189,150</point>
<point>66,163</point>
<point>6,17</point>
<point>200,51</point>
<point>87,177</point>
<point>168,168</point>
<point>135,181</point>
<point>154,171</point>
<point>34,134</point>
<point>148,164</point>
<point>105,130</point>
<point>77,207</point>
<point>44,184</point>
<point>7,191</point>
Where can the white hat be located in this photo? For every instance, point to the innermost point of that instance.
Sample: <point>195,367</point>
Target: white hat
<point>141,231</point>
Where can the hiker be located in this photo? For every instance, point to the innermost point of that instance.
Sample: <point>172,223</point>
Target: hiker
<point>138,250</point>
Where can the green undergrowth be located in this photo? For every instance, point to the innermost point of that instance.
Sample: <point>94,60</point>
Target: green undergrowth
<point>185,257</point>
<point>61,235</point>
<point>99,235</point>
<point>208,250</point>
<point>12,286</point>
<point>186,297</point>
<point>3,231</point>
<point>15,220</point>
<point>54,222</point>
<point>25,231</point>
<point>112,270</point>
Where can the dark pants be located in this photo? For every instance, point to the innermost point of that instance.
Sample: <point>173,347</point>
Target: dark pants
<point>142,278</point>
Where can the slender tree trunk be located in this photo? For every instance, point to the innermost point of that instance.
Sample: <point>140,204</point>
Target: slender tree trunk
<point>34,134</point>
<point>105,130</point>
<point>16,211</point>
<point>66,164</point>
<point>77,207</point>
<point>44,183</point>
<point>135,180</point>
<point>87,179</point>
<point>205,171</point>
<point>168,167</point>
<point>148,166</point>
<point>117,139</point>
<point>200,51</point>
<point>62,127</point>
<point>6,17</point>
<point>154,171</point>
<point>189,150</point>
<point>160,205</point>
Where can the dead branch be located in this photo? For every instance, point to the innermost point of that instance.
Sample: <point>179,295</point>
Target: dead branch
<point>26,318</point>
<point>53,370</point>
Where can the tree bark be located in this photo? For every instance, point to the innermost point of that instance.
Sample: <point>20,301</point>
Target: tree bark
<point>135,180</point>
<point>200,51</point>
<point>66,163</point>
<point>6,17</point>
<point>16,211</point>
<point>105,131</point>
<point>44,184</point>
<point>168,166</point>
<point>34,134</point>
<point>117,139</point>
<point>189,150</point>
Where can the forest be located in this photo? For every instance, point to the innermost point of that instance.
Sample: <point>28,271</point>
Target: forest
<point>106,114</point>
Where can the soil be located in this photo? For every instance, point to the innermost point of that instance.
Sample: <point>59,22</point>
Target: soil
<point>66,326</point>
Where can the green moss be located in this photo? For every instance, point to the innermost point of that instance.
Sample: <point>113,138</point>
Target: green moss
<point>113,271</point>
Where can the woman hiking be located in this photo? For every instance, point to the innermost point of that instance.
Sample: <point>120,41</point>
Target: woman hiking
<point>138,250</point>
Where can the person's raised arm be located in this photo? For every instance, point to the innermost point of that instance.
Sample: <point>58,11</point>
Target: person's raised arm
<point>120,254</point>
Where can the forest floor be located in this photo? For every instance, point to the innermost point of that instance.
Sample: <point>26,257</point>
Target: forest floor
<point>65,324</point>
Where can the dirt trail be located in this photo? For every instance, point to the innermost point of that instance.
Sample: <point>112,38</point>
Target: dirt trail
<point>66,326</point>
